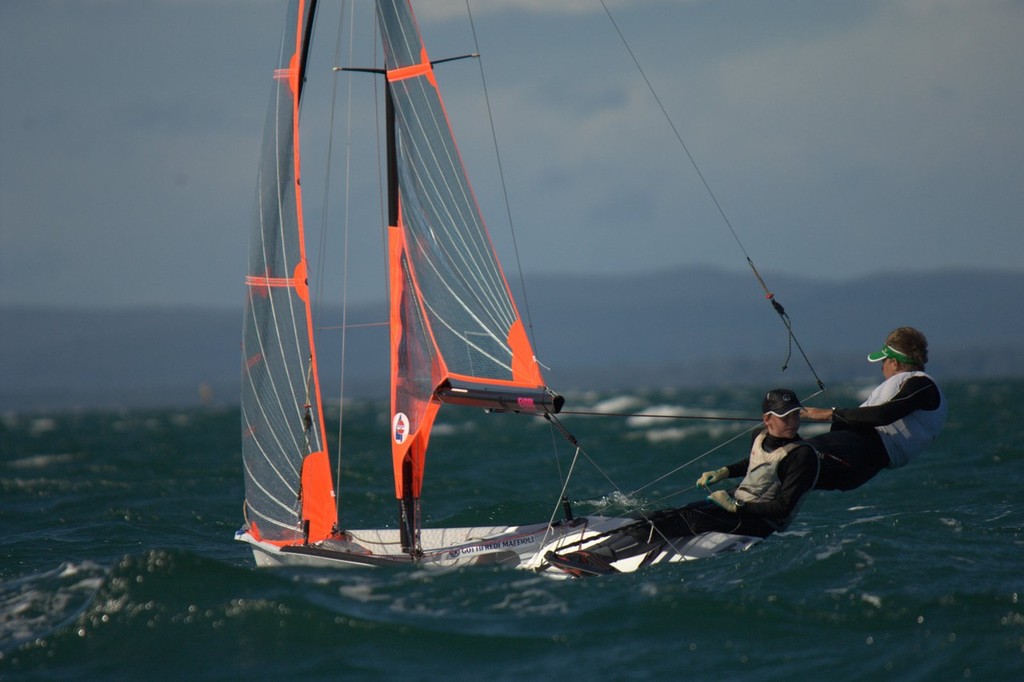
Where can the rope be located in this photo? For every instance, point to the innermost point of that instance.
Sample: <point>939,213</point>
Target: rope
<point>789,327</point>
<point>707,186</point>
<point>561,497</point>
<point>660,416</point>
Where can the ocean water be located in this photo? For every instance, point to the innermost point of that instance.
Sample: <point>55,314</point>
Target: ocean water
<point>119,563</point>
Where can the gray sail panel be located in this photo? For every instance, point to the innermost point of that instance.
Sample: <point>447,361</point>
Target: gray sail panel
<point>457,272</point>
<point>276,382</point>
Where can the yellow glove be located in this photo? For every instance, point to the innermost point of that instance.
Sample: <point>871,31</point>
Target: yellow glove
<point>709,477</point>
<point>722,499</point>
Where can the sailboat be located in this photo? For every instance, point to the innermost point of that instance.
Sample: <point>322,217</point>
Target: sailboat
<point>457,341</point>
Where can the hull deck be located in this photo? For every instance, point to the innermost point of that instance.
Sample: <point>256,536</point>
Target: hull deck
<point>521,547</point>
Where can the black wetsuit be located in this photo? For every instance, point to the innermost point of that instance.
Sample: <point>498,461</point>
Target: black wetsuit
<point>853,452</point>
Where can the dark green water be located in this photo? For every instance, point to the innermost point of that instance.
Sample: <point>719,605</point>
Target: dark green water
<point>118,558</point>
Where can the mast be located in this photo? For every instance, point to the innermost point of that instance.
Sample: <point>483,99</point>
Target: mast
<point>408,501</point>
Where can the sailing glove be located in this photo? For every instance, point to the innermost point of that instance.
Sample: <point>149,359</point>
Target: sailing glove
<point>723,500</point>
<point>709,477</point>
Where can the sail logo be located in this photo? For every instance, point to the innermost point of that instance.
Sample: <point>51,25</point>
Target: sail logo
<point>400,427</point>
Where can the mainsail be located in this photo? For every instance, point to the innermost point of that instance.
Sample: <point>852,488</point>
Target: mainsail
<point>456,335</point>
<point>288,489</point>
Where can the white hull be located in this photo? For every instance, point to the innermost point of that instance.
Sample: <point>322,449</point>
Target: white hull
<point>520,547</point>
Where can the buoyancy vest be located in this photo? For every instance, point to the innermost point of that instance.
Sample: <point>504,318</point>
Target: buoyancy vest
<point>762,482</point>
<point>905,438</point>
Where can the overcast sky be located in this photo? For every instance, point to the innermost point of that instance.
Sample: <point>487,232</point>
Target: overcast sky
<point>840,138</point>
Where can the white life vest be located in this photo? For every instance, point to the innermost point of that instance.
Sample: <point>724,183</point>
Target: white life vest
<point>905,438</point>
<point>762,482</point>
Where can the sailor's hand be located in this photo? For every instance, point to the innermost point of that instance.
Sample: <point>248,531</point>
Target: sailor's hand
<point>723,500</point>
<point>709,477</point>
<point>816,414</point>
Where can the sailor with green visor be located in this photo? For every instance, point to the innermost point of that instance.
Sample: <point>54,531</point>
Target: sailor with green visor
<point>900,418</point>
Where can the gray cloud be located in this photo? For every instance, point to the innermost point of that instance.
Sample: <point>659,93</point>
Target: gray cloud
<point>840,139</point>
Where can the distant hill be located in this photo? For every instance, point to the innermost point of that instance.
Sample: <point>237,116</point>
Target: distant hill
<point>682,327</point>
<point>701,326</point>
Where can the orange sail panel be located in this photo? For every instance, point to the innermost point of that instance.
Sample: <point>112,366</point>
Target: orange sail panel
<point>289,491</point>
<point>415,370</point>
<point>456,332</point>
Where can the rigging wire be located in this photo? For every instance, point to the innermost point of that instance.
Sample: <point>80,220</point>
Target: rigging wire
<point>345,221</point>
<point>702,417</point>
<point>348,9</point>
<point>718,206</point>
<point>501,175</point>
<point>527,316</point>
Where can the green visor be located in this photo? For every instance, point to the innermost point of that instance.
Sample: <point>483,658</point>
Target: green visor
<point>890,352</point>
